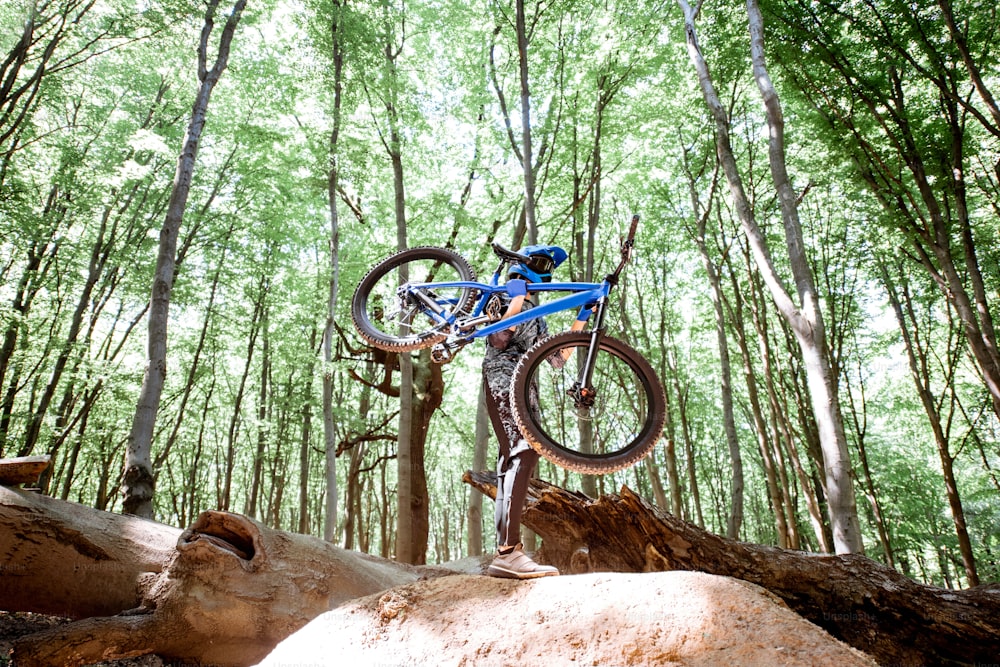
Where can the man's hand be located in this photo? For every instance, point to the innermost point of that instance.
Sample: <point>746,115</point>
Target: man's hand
<point>517,287</point>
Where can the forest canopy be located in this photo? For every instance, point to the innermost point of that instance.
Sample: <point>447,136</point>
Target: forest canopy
<point>338,132</point>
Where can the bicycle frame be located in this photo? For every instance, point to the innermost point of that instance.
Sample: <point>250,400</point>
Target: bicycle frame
<point>582,295</point>
<point>588,298</point>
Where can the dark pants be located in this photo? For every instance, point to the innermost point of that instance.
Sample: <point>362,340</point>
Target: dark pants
<point>515,465</point>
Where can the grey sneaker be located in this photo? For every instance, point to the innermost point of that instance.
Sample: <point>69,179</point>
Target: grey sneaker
<point>518,565</point>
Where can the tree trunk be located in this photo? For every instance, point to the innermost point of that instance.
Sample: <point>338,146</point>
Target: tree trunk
<point>138,482</point>
<point>701,212</point>
<point>263,429</point>
<point>805,319</point>
<point>670,451</point>
<point>428,393</point>
<point>774,492</point>
<point>257,321</point>
<point>224,591</point>
<point>863,603</point>
<point>40,257</point>
<point>474,533</point>
<point>306,439</point>
<point>681,391</point>
<point>918,357</point>
<point>333,185</point>
<point>95,267</point>
<point>25,68</point>
<point>527,157</point>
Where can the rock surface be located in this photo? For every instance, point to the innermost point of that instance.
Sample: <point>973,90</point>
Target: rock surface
<point>664,618</point>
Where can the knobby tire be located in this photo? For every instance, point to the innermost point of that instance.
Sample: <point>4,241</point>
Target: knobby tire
<point>617,432</point>
<point>387,323</point>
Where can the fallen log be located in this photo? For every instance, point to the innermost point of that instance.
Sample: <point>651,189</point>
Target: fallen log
<point>225,591</point>
<point>23,469</point>
<point>861,602</point>
<point>66,559</point>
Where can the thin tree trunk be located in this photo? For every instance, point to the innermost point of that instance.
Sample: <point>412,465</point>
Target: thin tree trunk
<point>917,356</point>
<point>138,482</point>
<point>871,494</point>
<point>670,451</point>
<point>257,320</point>
<point>333,186</point>
<point>98,258</point>
<point>195,367</point>
<point>735,513</point>
<point>692,476</point>
<point>352,496</point>
<point>474,533</point>
<point>774,492</point>
<point>805,320</point>
<point>527,158</point>
<point>41,255</point>
<point>306,440</point>
<point>41,36</point>
<point>262,421</point>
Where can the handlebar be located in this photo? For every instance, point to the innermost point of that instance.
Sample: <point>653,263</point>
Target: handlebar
<point>630,240</point>
<point>627,244</point>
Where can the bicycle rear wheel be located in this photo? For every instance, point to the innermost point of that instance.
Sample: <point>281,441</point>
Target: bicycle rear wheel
<point>392,319</point>
<point>622,420</point>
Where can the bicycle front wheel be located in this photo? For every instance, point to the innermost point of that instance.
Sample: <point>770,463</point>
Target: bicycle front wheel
<point>616,423</point>
<point>390,318</point>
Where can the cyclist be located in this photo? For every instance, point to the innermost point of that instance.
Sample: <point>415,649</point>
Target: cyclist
<point>516,460</point>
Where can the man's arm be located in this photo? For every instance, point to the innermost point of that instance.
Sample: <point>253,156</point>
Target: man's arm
<point>519,293</point>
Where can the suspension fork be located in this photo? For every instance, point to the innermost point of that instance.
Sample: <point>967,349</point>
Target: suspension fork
<point>583,392</point>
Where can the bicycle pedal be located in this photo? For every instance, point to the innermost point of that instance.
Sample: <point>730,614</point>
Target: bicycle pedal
<point>441,354</point>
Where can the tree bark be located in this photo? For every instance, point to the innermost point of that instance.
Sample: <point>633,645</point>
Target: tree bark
<point>224,591</point>
<point>863,603</point>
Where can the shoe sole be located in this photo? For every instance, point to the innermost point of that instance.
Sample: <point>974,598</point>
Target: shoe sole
<point>501,573</point>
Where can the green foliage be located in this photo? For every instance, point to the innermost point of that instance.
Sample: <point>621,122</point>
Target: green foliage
<point>619,127</point>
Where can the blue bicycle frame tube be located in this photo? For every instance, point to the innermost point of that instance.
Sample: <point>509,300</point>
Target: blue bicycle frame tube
<point>581,295</point>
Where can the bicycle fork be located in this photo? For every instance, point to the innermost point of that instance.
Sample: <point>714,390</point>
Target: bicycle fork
<point>583,392</point>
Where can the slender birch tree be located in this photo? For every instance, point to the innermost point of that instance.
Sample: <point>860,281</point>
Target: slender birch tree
<point>139,482</point>
<point>805,318</point>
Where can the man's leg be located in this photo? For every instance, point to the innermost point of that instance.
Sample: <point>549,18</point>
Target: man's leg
<point>516,462</point>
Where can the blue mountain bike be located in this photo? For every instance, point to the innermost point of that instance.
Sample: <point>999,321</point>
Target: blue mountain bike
<point>584,400</point>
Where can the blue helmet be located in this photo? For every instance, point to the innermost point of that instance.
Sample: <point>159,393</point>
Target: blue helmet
<point>542,259</point>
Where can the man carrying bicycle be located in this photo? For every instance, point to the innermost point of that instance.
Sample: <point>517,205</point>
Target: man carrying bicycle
<point>516,460</point>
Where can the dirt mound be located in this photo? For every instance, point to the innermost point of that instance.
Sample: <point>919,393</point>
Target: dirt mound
<point>665,618</point>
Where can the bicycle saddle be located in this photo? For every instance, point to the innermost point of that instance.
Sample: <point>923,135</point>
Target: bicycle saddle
<point>508,255</point>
